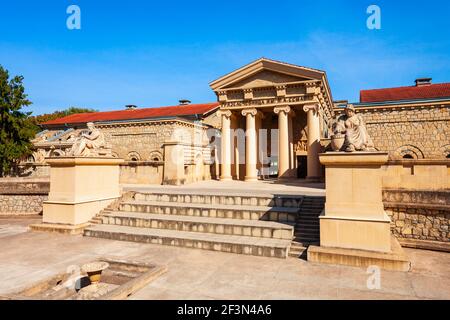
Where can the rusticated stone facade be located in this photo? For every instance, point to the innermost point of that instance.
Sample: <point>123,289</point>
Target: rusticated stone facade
<point>419,214</point>
<point>21,204</point>
<point>409,131</point>
<point>141,143</point>
<point>421,224</point>
<point>22,196</point>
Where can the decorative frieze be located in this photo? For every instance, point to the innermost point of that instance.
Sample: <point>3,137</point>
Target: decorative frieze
<point>267,102</point>
<point>281,90</point>
<point>248,94</point>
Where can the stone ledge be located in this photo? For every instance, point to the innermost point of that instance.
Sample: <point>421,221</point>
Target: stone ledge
<point>433,199</point>
<point>394,260</point>
<point>59,228</point>
<point>21,186</point>
<point>425,244</point>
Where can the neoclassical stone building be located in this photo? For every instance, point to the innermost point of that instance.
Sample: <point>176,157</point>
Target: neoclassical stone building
<point>273,119</point>
<point>141,136</point>
<point>284,110</point>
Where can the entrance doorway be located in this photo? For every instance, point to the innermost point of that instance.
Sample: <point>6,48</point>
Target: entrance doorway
<point>302,170</point>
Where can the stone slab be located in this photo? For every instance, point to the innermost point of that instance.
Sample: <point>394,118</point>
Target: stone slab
<point>394,260</point>
<point>59,228</point>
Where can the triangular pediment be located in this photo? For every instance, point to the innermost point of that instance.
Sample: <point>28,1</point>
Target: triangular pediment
<point>264,78</point>
<point>264,72</point>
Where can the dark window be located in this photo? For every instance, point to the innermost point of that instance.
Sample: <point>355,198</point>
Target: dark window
<point>408,156</point>
<point>448,156</point>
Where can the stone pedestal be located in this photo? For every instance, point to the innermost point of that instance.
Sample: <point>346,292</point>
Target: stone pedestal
<point>354,228</point>
<point>80,187</point>
<point>174,163</point>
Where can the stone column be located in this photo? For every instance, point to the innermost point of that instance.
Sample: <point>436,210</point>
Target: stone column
<point>292,156</point>
<point>250,144</point>
<point>226,145</point>
<point>314,148</point>
<point>235,140</point>
<point>283,141</point>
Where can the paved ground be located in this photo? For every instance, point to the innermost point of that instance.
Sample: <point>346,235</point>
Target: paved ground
<point>268,187</point>
<point>26,257</point>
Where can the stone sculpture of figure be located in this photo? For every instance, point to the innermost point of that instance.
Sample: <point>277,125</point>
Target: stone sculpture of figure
<point>354,128</point>
<point>88,144</point>
<point>71,138</point>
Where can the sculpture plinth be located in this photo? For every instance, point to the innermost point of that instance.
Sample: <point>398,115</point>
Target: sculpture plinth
<point>80,187</point>
<point>354,228</point>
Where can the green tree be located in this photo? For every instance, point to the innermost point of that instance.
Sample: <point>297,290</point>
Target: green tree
<point>37,120</point>
<point>16,129</point>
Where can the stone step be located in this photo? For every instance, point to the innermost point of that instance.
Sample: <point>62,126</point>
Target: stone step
<point>225,243</point>
<point>222,199</point>
<point>306,235</point>
<point>315,227</point>
<point>309,214</point>
<point>312,210</point>
<point>314,199</point>
<point>96,220</point>
<point>306,244</point>
<point>280,214</point>
<point>307,230</point>
<point>250,228</point>
<point>298,252</point>
<point>307,240</point>
<point>307,219</point>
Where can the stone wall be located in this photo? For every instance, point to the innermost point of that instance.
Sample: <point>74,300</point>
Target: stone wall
<point>32,170</point>
<point>419,218</point>
<point>141,172</point>
<point>416,196</point>
<point>149,172</point>
<point>23,196</point>
<point>144,141</point>
<point>417,132</point>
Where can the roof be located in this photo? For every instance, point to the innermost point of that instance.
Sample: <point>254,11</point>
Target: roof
<point>432,91</point>
<point>136,114</point>
<point>268,64</point>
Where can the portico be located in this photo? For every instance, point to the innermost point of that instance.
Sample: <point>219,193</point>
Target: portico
<point>273,113</point>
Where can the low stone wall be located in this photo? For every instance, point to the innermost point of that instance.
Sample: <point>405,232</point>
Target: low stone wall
<point>417,175</point>
<point>32,170</point>
<point>141,172</point>
<point>420,218</point>
<point>23,196</point>
<point>151,172</point>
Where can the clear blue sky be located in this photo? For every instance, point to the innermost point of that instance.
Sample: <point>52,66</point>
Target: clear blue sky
<point>152,53</point>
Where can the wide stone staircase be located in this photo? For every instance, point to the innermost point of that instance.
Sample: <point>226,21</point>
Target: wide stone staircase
<point>246,224</point>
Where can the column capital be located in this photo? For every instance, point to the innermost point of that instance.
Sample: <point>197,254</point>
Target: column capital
<point>225,113</point>
<point>251,111</point>
<point>285,109</point>
<point>311,107</point>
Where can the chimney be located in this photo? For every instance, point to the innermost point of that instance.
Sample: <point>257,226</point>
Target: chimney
<point>184,102</point>
<point>130,107</point>
<point>423,82</point>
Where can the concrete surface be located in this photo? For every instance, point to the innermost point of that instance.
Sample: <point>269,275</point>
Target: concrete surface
<point>26,257</point>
